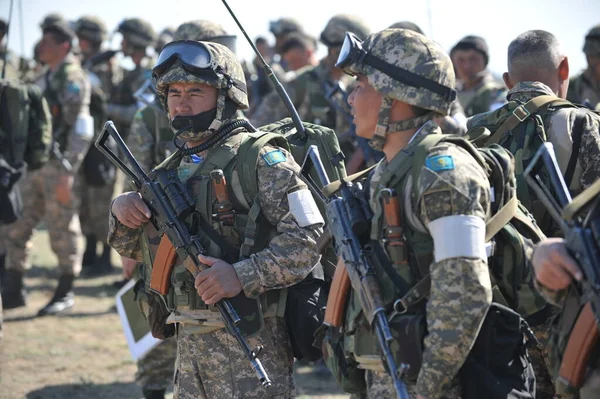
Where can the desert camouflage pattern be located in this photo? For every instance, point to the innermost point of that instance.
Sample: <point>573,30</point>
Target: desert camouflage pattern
<point>138,32</point>
<point>91,28</point>
<point>486,96</point>
<point>199,30</point>
<point>213,366</point>
<point>414,52</point>
<point>156,370</point>
<point>461,290</point>
<point>559,128</point>
<point>585,89</point>
<point>335,31</point>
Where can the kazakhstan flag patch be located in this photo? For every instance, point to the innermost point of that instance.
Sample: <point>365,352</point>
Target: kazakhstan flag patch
<point>439,163</point>
<point>273,157</point>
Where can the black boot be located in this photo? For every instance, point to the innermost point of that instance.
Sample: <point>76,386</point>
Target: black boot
<point>102,266</point>
<point>13,293</point>
<point>63,299</point>
<point>2,269</point>
<point>89,256</point>
<point>154,393</point>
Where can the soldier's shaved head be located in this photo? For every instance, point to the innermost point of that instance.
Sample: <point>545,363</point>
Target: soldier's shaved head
<point>537,55</point>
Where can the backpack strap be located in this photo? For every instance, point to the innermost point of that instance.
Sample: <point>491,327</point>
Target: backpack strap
<point>577,133</point>
<point>332,188</point>
<point>522,112</point>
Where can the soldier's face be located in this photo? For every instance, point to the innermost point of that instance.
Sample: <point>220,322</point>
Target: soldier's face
<point>188,99</point>
<point>297,58</point>
<point>365,102</point>
<point>468,63</point>
<point>51,49</point>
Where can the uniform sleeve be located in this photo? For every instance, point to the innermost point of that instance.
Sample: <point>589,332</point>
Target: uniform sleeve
<point>75,100</point>
<point>271,108</point>
<point>589,153</point>
<point>291,254</point>
<point>141,142</point>
<point>124,240</point>
<point>556,298</point>
<point>452,184</point>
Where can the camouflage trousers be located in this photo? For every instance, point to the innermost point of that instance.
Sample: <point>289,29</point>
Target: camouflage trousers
<point>40,203</point>
<point>156,369</point>
<point>93,212</point>
<point>539,356</point>
<point>379,385</point>
<point>213,366</point>
<point>591,385</point>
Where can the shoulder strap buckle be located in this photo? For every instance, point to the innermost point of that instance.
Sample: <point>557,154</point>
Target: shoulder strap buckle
<point>521,113</point>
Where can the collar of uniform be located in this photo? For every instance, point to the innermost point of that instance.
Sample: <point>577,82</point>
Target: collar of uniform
<point>429,127</point>
<point>525,91</point>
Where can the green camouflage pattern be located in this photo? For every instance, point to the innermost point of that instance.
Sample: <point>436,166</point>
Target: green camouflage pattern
<point>486,96</point>
<point>199,30</point>
<point>414,52</point>
<point>137,31</point>
<point>335,31</point>
<point>91,28</point>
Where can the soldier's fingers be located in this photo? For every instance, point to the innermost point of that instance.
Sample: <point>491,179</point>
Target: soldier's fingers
<point>555,278</point>
<point>210,292</point>
<point>207,260</point>
<point>130,223</point>
<point>142,208</point>
<point>136,214</point>
<point>211,300</point>
<point>203,281</point>
<point>568,263</point>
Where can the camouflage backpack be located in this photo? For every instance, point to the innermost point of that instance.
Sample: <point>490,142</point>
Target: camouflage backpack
<point>519,127</point>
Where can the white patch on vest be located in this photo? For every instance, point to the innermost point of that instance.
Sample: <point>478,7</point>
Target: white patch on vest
<point>304,208</point>
<point>458,236</point>
<point>84,126</point>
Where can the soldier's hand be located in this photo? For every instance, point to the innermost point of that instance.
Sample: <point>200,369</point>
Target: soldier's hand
<point>554,267</point>
<point>63,189</point>
<point>128,267</point>
<point>130,209</point>
<point>217,282</point>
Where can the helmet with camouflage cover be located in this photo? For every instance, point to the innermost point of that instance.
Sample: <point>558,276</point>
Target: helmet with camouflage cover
<point>284,25</point>
<point>51,19</point>
<point>223,72</point>
<point>206,31</point>
<point>91,28</point>
<point>592,42</point>
<point>335,31</point>
<point>138,32</point>
<point>164,37</point>
<point>416,71</point>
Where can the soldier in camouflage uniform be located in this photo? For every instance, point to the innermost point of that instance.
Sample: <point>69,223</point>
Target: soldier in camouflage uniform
<point>308,90</point>
<point>91,32</point>
<point>585,87</point>
<point>451,196</point>
<point>478,90</point>
<point>137,36</point>
<point>209,363</point>
<point>52,193</point>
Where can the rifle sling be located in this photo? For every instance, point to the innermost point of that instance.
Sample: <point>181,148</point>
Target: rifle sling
<point>333,187</point>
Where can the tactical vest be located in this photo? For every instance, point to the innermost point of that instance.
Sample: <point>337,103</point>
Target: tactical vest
<point>402,271</point>
<point>182,296</point>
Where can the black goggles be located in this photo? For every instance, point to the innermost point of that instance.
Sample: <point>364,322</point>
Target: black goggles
<point>353,54</point>
<point>193,55</point>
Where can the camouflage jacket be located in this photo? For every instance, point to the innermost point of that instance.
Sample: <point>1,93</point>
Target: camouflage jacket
<point>584,89</point>
<point>122,105</point>
<point>461,291</point>
<point>486,96</point>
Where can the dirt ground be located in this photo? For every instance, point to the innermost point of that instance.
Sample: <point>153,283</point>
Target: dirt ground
<point>84,354</point>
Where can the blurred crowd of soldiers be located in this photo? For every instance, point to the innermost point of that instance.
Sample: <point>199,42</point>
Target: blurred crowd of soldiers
<point>84,86</point>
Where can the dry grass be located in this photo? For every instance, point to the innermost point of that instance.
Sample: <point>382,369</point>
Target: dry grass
<point>82,354</point>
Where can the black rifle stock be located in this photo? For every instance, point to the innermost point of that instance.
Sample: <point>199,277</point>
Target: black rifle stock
<point>169,207</point>
<point>347,220</point>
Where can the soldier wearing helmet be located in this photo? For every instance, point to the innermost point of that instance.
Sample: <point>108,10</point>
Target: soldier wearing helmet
<point>585,87</point>
<point>201,86</point>
<point>318,92</point>
<point>404,81</point>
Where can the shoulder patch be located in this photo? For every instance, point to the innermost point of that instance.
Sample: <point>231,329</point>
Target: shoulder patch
<point>440,162</point>
<point>273,157</point>
<point>73,87</point>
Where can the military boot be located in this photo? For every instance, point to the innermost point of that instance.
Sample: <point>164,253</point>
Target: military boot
<point>154,393</point>
<point>102,266</point>
<point>2,269</point>
<point>89,256</point>
<point>63,299</point>
<point>13,293</point>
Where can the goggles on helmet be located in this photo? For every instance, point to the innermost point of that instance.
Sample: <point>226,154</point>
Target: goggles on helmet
<point>194,57</point>
<point>353,56</point>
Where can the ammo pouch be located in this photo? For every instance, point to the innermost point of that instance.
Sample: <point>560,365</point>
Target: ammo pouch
<point>155,311</point>
<point>11,203</point>
<point>498,366</point>
<point>347,374</point>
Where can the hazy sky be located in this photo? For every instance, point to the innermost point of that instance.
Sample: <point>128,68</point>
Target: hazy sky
<point>446,21</point>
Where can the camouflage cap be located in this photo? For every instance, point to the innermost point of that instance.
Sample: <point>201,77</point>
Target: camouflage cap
<point>227,74</point>
<point>285,25</point>
<point>335,31</point>
<point>416,53</point>
<point>199,30</point>
<point>137,32</point>
<point>91,28</point>
<point>51,19</point>
<point>592,42</point>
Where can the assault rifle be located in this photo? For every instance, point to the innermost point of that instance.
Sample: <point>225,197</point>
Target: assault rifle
<point>579,219</point>
<point>348,218</point>
<point>170,204</point>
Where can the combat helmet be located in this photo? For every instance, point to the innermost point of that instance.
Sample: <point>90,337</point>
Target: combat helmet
<point>285,25</point>
<point>335,31</point>
<point>188,61</point>
<point>138,32</point>
<point>164,37</point>
<point>51,19</point>
<point>206,31</point>
<point>91,28</point>
<point>402,65</point>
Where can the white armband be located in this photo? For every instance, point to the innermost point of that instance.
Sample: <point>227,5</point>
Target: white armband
<point>304,208</point>
<point>458,236</point>
<point>84,125</point>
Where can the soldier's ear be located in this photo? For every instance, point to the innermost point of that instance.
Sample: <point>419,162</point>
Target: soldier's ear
<point>506,77</point>
<point>563,69</point>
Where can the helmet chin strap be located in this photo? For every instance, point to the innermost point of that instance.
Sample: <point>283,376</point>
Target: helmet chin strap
<point>384,126</point>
